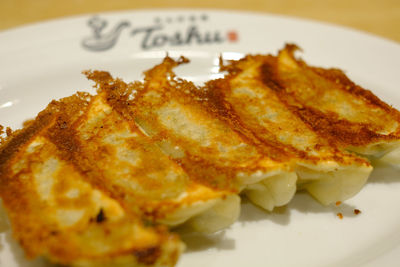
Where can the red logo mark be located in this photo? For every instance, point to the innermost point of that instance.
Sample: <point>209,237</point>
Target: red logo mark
<point>233,36</point>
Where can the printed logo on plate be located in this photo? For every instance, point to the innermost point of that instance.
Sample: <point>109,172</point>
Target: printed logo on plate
<point>156,35</point>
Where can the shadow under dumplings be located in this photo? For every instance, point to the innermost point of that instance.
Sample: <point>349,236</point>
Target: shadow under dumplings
<point>251,213</point>
<point>199,242</point>
<point>384,173</point>
<point>304,203</point>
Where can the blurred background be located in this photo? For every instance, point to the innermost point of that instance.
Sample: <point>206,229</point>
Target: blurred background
<point>379,17</point>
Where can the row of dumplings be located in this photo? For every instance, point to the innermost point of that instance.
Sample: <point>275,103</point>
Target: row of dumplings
<point>112,170</point>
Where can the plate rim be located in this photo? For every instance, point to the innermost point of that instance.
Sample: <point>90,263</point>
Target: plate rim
<point>60,19</point>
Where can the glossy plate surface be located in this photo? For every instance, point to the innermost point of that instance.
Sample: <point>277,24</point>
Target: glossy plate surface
<point>44,61</point>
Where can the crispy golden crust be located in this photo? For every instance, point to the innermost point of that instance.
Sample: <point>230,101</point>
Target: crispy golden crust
<point>162,93</point>
<point>346,114</point>
<point>44,185</point>
<point>342,113</point>
<point>267,112</point>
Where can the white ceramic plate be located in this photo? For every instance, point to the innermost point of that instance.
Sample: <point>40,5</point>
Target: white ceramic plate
<point>43,61</point>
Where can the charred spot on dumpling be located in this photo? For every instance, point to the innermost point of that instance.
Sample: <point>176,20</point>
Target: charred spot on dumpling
<point>101,217</point>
